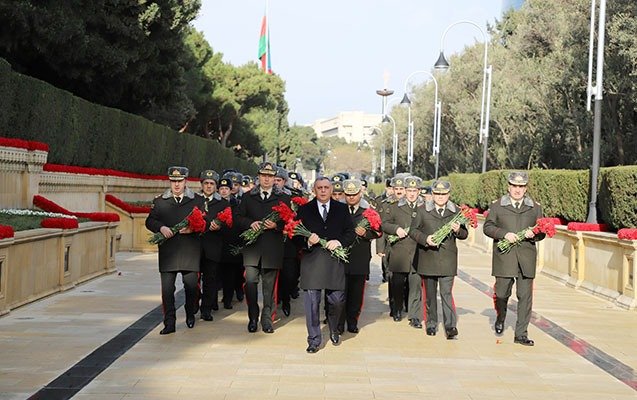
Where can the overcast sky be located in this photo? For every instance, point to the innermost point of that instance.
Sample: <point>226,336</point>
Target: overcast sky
<point>334,55</point>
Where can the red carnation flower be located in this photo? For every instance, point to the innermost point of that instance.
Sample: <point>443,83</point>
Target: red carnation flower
<point>627,234</point>
<point>224,217</point>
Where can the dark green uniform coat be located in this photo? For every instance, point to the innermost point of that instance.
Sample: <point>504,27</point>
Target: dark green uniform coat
<point>504,217</point>
<point>402,252</point>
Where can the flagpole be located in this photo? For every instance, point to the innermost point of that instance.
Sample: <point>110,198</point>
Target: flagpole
<point>267,37</point>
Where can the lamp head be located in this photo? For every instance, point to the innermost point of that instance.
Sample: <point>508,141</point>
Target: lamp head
<point>386,119</point>
<point>405,99</point>
<point>441,64</point>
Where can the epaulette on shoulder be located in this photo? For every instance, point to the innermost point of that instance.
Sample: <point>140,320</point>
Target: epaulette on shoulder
<point>158,196</point>
<point>494,201</point>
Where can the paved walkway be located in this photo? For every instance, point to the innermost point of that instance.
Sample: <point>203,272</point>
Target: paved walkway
<point>103,337</point>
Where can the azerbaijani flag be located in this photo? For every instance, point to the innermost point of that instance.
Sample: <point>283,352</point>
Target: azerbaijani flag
<point>264,46</point>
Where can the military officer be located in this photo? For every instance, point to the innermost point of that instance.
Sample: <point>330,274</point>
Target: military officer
<point>181,252</point>
<point>337,190</point>
<point>512,213</point>
<point>287,278</point>
<point>247,183</point>
<point>437,265</point>
<point>231,265</point>
<point>264,257</point>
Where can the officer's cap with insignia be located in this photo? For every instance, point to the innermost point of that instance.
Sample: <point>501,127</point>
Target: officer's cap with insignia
<point>247,180</point>
<point>281,173</point>
<point>397,181</point>
<point>413,182</point>
<point>225,182</point>
<point>518,178</point>
<point>267,168</point>
<point>425,190</point>
<point>295,176</point>
<point>352,186</point>
<point>235,177</point>
<point>338,178</point>
<point>364,182</point>
<point>177,173</point>
<point>209,174</point>
<point>441,187</point>
<point>337,187</point>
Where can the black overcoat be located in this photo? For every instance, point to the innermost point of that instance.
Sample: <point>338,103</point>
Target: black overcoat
<point>181,252</point>
<point>212,241</point>
<point>360,253</point>
<point>319,270</point>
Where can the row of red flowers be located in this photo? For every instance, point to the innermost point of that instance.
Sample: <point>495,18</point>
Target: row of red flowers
<point>47,205</point>
<point>6,231</point>
<point>129,208</point>
<point>59,223</point>
<point>30,145</point>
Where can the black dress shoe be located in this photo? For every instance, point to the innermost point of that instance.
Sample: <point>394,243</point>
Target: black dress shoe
<point>286,308</point>
<point>312,349</point>
<point>499,327</point>
<point>452,333</point>
<point>352,329</point>
<point>398,316</point>
<point>268,329</point>
<point>431,331</point>
<point>335,338</point>
<point>227,306</point>
<point>206,316</point>
<point>215,307</point>
<point>239,296</point>
<point>524,341</point>
<point>167,330</point>
<point>190,321</point>
<point>415,323</point>
<point>252,326</point>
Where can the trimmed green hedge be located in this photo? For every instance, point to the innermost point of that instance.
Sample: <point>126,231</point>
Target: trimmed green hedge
<point>617,199</point>
<point>85,134</point>
<point>464,188</point>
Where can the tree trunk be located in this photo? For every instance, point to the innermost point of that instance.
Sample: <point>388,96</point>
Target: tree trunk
<point>226,135</point>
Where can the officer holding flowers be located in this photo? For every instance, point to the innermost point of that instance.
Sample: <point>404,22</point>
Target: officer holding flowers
<point>514,212</point>
<point>181,251</point>
<point>437,259</point>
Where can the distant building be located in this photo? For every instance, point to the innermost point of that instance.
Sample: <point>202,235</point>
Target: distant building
<point>509,4</point>
<point>353,126</point>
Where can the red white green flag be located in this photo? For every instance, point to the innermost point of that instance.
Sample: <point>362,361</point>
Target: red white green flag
<point>264,46</point>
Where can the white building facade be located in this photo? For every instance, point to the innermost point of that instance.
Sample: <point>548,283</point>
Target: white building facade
<point>353,126</point>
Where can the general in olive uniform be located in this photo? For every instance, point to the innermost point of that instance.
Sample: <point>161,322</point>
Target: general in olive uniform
<point>360,254</point>
<point>512,213</point>
<point>264,257</point>
<point>181,252</point>
<point>330,220</point>
<point>437,265</point>
<point>211,244</point>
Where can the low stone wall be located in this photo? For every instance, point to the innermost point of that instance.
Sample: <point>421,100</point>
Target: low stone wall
<point>596,262</point>
<point>132,232</point>
<point>39,262</point>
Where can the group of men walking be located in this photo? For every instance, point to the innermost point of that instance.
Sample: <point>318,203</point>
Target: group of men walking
<point>417,265</point>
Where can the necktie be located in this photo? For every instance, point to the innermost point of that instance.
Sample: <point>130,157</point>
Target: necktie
<point>517,205</point>
<point>324,213</point>
<point>178,200</point>
<point>265,195</point>
<point>441,211</point>
<point>351,209</point>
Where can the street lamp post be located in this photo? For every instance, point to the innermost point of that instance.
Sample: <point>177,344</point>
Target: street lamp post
<point>384,93</point>
<point>394,152</point>
<point>443,64</point>
<point>597,92</point>
<point>410,124</point>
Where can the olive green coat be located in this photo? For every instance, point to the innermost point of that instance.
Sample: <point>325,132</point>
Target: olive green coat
<point>503,217</point>
<point>401,254</point>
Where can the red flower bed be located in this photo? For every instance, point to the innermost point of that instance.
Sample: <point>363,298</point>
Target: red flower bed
<point>627,234</point>
<point>127,207</point>
<point>586,227</point>
<point>6,231</point>
<point>23,144</point>
<point>59,223</point>
<point>72,169</point>
<point>48,205</point>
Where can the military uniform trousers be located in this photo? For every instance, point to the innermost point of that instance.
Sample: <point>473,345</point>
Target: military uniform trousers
<point>524,293</point>
<point>449,315</point>
<point>210,283</point>
<point>189,279</point>
<point>268,279</point>
<point>288,279</point>
<point>354,294</point>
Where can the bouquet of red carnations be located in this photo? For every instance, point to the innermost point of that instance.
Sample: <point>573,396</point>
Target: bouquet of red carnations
<point>280,212</point>
<point>195,221</point>
<point>371,220</point>
<point>298,201</point>
<point>224,217</point>
<point>296,228</point>
<point>467,216</point>
<point>542,225</point>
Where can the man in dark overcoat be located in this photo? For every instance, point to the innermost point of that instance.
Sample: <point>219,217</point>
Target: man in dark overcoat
<point>437,265</point>
<point>330,220</point>
<point>397,221</point>
<point>360,254</point>
<point>264,257</point>
<point>181,252</point>
<point>231,264</point>
<point>211,244</point>
<point>512,213</point>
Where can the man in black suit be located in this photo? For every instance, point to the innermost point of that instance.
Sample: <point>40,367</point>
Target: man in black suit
<point>182,251</point>
<point>330,220</point>
<point>264,257</point>
<point>211,244</point>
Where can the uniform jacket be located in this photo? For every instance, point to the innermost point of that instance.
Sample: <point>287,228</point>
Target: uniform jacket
<point>442,260</point>
<point>212,241</point>
<point>181,252</point>
<point>383,208</point>
<point>360,253</point>
<point>504,217</point>
<point>231,237</point>
<point>268,248</point>
<point>319,270</point>
<point>401,255</point>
